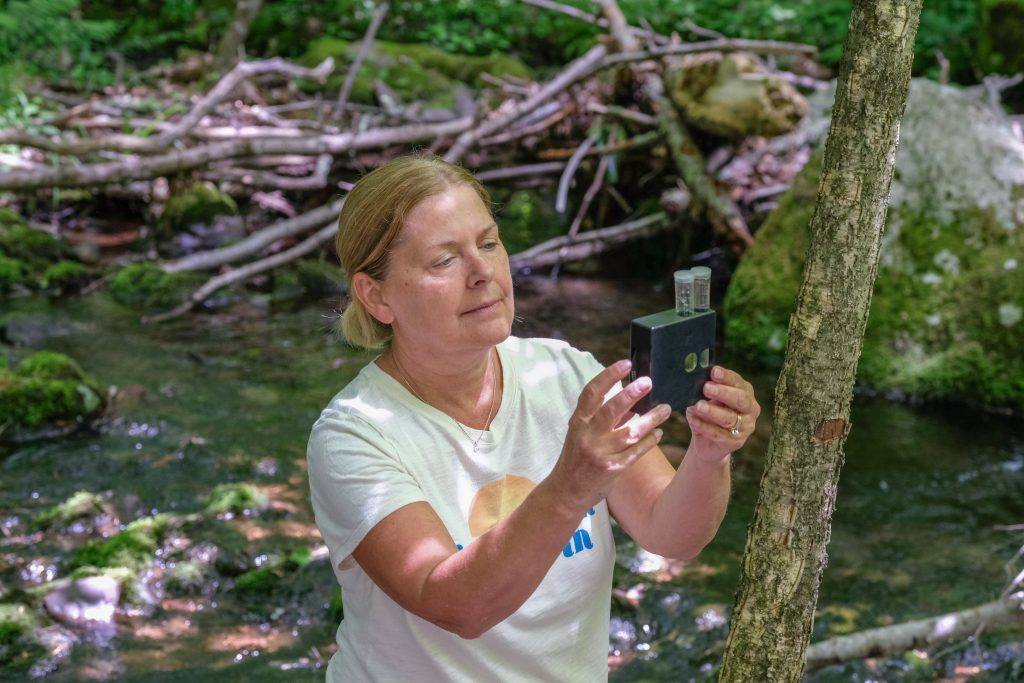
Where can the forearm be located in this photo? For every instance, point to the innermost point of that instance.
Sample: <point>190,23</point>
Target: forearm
<point>481,585</point>
<point>687,514</point>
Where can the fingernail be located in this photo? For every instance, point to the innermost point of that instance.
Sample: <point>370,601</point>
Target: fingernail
<point>665,409</point>
<point>642,384</point>
<point>711,389</point>
<point>658,434</point>
<point>717,372</point>
<point>703,406</point>
<point>623,365</point>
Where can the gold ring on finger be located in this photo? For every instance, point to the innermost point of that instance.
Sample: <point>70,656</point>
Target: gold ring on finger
<point>735,429</point>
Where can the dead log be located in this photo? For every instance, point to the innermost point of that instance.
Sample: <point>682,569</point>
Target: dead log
<point>891,640</point>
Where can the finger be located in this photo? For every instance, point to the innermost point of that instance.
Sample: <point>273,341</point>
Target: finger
<point>721,416</point>
<point>700,426</point>
<point>738,399</point>
<point>636,430</point>
<point>592,397</point>
<point>612,412</point>
<point>633,452</point>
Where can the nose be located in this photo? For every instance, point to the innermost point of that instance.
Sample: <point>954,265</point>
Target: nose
<point>481,269</point>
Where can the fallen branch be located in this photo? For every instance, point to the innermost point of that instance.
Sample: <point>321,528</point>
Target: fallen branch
<point>251,178</point>
<point>889,640</point>
<point>586,244</point>
<point>562,200</point>
<point>89,175</point>
<point>206,260</point>
<point>248,271</point>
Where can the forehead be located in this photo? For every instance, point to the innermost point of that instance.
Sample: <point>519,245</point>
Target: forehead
<point>444,216</point>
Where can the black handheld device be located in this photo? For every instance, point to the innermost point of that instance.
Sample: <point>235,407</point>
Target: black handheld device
<point>676,348</point>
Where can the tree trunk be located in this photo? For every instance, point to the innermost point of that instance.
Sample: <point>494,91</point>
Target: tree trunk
<point>229,51</point>
<point>786,546</point>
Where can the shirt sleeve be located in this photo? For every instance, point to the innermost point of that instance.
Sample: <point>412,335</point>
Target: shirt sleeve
<point>355,480</point>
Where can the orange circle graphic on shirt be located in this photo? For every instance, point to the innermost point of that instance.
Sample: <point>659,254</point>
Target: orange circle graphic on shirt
<point>496,501</point>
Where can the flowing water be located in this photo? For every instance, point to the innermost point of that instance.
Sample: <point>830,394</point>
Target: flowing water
<point>925,499</point>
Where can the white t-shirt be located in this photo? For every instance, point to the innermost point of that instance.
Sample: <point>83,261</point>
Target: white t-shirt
<point>376,447</point>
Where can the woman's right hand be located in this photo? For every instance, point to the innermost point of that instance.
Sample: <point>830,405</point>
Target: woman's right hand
<point>602,441</point>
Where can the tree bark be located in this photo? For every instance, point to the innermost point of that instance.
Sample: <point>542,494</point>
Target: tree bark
<point>786,546</point>
<point>229,50</point>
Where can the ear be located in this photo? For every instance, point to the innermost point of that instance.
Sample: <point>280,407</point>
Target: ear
<point>371,296</point>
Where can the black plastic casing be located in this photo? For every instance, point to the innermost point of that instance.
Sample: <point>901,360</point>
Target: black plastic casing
<point>660,347</point>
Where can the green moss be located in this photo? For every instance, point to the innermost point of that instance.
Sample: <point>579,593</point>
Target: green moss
<point>13,272</point>
<point>80,505</point>
<point>32,246</point>
<point>236,498</point>
<point>258,583</point>
<point>31,402</point>
<point>51,365</point>
<point>132,548</point>
<point>335,607</point>
<point>321,278</point>
<point>147,286</point>
<point>201,203</point>
<point>65,276</point>
<point>10,218</point>
<point>19,647</point>
<point>185,578</point>
<point>414,72</point>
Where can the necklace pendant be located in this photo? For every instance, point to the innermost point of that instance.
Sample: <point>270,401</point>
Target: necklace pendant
<point>476,447</point>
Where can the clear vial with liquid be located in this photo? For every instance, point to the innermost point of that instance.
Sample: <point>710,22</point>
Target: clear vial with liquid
<point>684,292</point>
<point>701,289</point>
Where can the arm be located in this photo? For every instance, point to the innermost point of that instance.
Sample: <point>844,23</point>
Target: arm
<point>677,513</point>
<point>412,557</point>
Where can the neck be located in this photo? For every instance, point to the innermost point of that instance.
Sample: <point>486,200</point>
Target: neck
<point>469,394</point>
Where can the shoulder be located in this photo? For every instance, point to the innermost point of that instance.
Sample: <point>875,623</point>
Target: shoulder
<point>358,411</point>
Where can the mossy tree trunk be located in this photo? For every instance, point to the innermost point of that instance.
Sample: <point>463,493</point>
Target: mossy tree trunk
<point>786,546</point>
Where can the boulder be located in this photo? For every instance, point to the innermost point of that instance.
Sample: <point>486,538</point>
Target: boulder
<point>946,315</point>
<point>733,96</point>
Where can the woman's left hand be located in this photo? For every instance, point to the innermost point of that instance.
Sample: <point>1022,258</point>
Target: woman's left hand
<point>723,422</point>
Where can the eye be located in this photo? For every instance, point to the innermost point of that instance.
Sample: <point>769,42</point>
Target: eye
<point>491,245</point>
<point>444,262</point>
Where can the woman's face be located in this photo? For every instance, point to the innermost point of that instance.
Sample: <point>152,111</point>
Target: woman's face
<point>448,287</point>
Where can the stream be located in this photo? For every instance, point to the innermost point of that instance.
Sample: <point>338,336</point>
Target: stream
<point>927,498</point>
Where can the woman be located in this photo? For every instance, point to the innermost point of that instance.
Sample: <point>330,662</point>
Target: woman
<point>465,480</point>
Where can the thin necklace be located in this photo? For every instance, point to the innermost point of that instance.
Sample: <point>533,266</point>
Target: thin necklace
<point>490,411</point>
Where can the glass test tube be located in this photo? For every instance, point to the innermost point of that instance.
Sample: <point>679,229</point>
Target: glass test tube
<point>701,289</point>
<point>684,292</point>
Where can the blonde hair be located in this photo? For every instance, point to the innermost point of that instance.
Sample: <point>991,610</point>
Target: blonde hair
<point>371,220</point>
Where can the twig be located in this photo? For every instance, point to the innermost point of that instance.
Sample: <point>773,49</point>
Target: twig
<point>642,140</point>
<point>364,49</point>
<point>562,200</point>
<point>588,198</point>
<point>519,171</point>
<point>253,178</point>
<point>622,113</point>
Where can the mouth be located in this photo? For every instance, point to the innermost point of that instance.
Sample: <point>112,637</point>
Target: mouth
<point>483,307</point>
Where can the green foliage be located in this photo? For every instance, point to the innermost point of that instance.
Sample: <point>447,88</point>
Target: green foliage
<point>51,365</point>
<point>35,247</point>
<point>201,203</point>
<point>50,37</point>
<point>258,583</point>
<point>236,498</point>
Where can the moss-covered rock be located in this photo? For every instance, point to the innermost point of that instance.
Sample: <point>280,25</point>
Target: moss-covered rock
<point>200,203</point>
<point>236,499</point>
<point>46,389</point>
<point>945,318</point>
<point>147,286</point>
<point>81,505</point>
<point>716,93</point>
<point>34,247</point>
<point>19,647</point>
<point>414,72</point>
<point>133,548</point>
<point>65,276</point>
<point>13,273</point>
